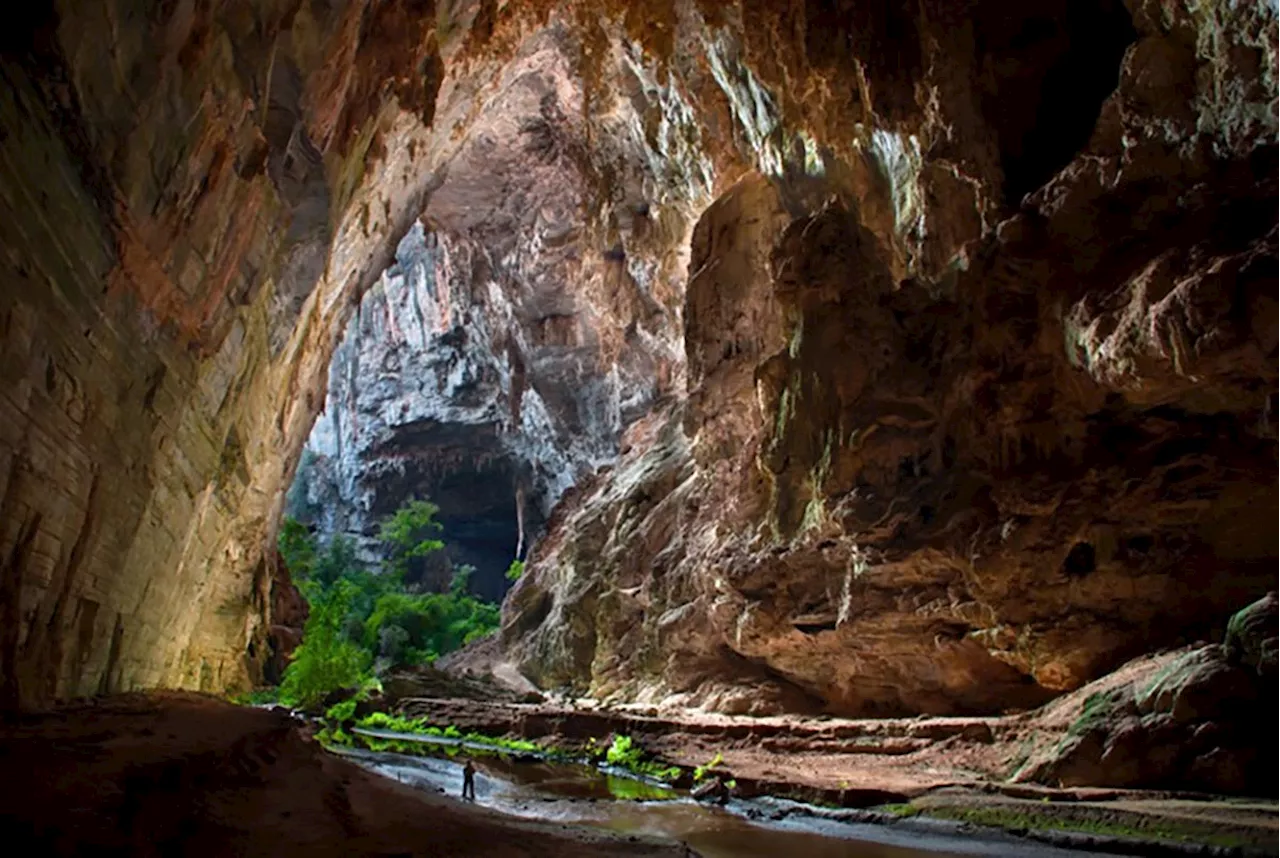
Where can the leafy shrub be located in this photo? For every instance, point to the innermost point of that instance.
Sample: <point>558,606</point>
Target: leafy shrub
<point>701,771</point>
<point>623,752</point>
<point>435,623</point>
<point>361,617</point>
<point>515,570</point>
<point>343,711</point>
<point>327,659</point>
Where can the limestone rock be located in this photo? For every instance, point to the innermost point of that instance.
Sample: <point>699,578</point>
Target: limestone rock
<point>1252,636</point>
<point>937,343</point>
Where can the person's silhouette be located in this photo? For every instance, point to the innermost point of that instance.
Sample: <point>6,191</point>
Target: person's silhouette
<point>469,781</point>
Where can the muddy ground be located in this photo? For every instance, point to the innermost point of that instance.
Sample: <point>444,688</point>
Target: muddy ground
<point>185,775</point>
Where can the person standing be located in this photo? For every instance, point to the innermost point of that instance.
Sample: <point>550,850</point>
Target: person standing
<point>469,781</point>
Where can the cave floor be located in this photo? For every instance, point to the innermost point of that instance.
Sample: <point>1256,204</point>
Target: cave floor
<point>182,774</point>
<point>958,768</point>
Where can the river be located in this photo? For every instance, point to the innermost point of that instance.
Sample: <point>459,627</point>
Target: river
<point>575,794</point>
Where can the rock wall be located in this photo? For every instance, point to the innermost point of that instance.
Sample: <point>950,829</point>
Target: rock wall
<point>495,364</point>
<point>180,185</point>
<point>196,198</point>
<point>900,486</point>
<point>932,444</point>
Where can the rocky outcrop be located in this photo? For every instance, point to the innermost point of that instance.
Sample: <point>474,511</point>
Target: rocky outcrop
<point>899,489</point>
<point>1204,722</point>
<point>958,321</point>
<point>289,613</point>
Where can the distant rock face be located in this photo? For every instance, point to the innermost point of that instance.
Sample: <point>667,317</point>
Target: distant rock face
<point>937,344</point>
<point>493,366</point>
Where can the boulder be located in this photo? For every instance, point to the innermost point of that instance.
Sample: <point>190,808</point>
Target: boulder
<point>1252,636</point>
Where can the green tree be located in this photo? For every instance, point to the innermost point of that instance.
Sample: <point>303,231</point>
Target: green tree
<point>298,547</point>
<point>515,570</point>
<point>461,579</point>
<point>327,658</point>
<point>409,533</point>
<point>435,623</point>
<point>357,614</point>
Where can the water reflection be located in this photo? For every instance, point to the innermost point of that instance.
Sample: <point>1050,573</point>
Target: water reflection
<point>578,794</point>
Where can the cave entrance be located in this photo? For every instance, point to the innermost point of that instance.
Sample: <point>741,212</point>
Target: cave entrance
<point>418,408</point>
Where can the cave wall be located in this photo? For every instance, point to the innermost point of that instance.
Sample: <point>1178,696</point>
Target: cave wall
<point>197,196</point>
<point>897,486</point>
<point>494,365</point>
<point>194,195</point>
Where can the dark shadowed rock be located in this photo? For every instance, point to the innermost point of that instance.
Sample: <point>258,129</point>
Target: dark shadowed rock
<point>1200,723</point>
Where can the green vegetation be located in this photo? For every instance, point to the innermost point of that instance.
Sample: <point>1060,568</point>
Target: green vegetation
<point>422,727</point>
<point>327,659</point>
<point>257,697</point>
<point>515,570</point>
<point>625,754</point>
<point>701,771</point>
<point>365,621</point>
<point>410,534</point>
<point>343,711</point>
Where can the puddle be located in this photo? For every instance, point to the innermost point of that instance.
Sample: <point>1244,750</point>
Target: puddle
<point>575,794</point>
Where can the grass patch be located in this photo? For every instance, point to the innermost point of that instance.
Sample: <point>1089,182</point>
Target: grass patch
<point>1018,819</point>
<point>902,811</point>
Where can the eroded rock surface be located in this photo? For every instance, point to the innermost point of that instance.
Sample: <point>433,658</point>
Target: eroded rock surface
<point>898,489</point>
<point>950,331</point>
<point>1205,721</point>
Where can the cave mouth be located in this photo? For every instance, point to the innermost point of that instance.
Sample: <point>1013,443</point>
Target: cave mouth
<point>477,484</point>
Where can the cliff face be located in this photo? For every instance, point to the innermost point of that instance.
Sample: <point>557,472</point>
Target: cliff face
<point>897,487</point>
<point>526,320</point>
<point>180,188</point>
<point>957,324</point>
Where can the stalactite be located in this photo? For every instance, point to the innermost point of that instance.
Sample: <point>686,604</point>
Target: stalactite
<point>519,520</point>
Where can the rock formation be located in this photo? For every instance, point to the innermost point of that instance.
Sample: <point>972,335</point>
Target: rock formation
<point>945,333</point>
<point>1205,722</point>
<point>944,456</point>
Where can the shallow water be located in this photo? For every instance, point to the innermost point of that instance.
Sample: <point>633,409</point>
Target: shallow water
<point>581,795</point>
